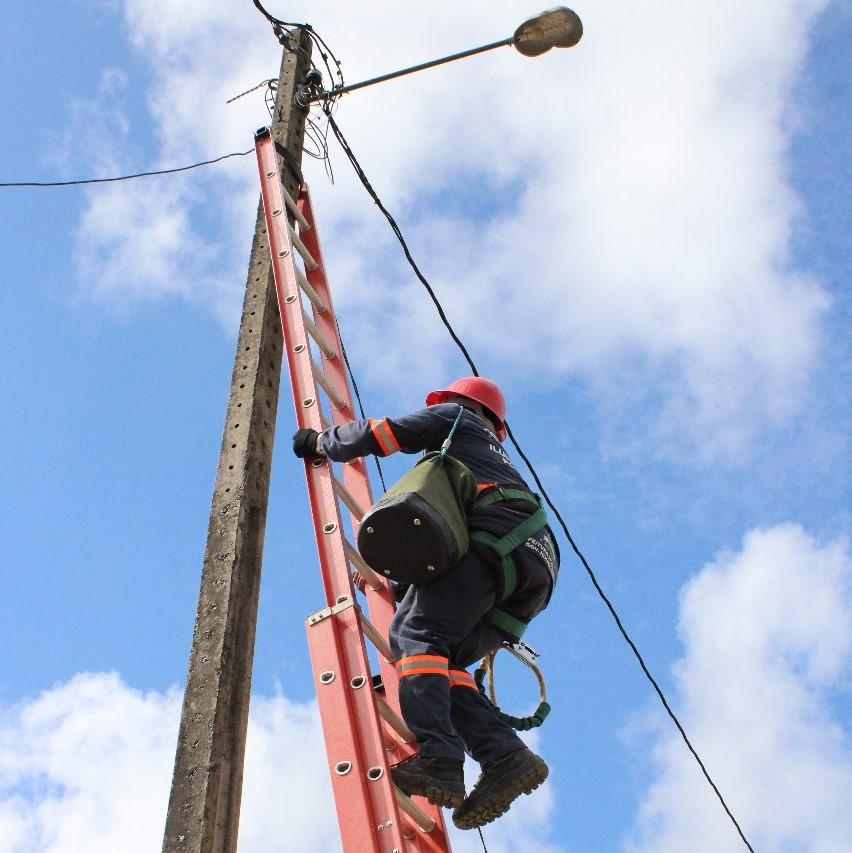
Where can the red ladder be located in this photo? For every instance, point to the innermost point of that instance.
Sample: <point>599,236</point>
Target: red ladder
<point>364,731</point>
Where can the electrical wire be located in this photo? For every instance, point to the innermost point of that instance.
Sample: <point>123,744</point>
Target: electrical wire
<point>362,176</point>
<point>269,97</point>
<point>284,32</point>
<point>327,107</point>
<point>319,138</point>
<point>123,177</point>
<point>253,89</point>
<point>396,230</point>
<point>360,404</point>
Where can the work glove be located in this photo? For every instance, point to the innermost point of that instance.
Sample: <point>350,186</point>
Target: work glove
<point>305,443</point>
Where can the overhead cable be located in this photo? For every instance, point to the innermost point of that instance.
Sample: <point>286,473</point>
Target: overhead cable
<point>441,313</point>
<point>397,231</point>
<point>80,181</point>
<point>360,404</point>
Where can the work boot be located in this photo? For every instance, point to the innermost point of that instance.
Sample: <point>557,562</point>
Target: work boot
<point>440,780</point>
<point>500,784</point>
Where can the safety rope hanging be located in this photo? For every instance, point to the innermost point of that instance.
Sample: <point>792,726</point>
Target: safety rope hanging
<point>486,670</point>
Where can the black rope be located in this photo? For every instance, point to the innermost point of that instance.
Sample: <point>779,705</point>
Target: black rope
<point>360,404</point>
<point>626,636</point>
<point>482,839</point>
<point>283,30</point>
<point>123,177</point>
<point>360,172</point>
<point>266,14</point>
<point>396,230</point>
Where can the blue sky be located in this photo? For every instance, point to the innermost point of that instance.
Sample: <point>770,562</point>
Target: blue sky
<point>644,240</point>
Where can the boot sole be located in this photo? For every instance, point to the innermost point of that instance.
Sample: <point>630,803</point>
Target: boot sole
<point>490,810</point>
<point>422,786</point>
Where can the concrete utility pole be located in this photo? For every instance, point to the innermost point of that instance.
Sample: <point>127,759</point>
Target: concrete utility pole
<point>204,805</point>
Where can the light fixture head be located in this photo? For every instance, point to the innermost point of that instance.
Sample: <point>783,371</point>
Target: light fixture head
<point>559,27</point>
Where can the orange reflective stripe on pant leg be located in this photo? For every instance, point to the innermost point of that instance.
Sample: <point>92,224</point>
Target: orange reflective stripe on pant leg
<point>422,665</point>
<point>384,436</point>
<point>461,678</point>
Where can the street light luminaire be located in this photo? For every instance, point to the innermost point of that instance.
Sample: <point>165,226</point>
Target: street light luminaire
<point>559,27</point>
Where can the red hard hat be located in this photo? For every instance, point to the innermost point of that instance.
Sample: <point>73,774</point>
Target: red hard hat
<point>477,388</point>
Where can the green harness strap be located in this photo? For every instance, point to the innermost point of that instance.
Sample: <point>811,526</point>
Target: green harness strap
<point>502,548</point>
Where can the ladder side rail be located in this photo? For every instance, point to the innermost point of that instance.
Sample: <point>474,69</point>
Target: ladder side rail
<point>336,580</point>
<point>380,603</point>
<point>356,765</point>
<point>392,831</point>
<point>352,727</point>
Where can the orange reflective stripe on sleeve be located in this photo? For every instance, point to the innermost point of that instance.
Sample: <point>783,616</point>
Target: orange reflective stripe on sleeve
<point>384,436</point>
<point>423,665</point>
<point>460,678</point>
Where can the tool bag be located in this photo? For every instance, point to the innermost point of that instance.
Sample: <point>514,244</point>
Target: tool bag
<point>417,530</point>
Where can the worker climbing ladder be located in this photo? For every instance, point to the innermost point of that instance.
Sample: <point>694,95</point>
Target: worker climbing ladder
<point>363,729</point>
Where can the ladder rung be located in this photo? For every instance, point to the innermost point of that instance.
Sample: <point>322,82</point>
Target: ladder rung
<point>414,812</point>
<point>346,497</point>
<point>316,334</point>
<point>294,209</point>
<point>337,401</point>
<point>376,639</point>
<point>316,301</point>
<point>394,721</point>
<point>373,580</point>
<point>302,249</point>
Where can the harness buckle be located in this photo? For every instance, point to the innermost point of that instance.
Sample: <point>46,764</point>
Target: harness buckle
<point>527,651</point>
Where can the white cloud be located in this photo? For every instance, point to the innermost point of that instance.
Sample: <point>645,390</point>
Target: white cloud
<point>87,760</point>
<point>767,634</point>
<point>81,764</point>
<point>621,211</point>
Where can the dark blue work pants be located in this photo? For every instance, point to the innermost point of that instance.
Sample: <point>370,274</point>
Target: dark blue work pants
<point>445,619</point>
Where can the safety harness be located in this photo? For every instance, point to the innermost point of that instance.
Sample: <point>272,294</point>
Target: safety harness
<point>419,528</point>
<point>501,548</point>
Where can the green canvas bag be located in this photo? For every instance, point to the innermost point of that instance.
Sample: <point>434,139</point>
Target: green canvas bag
<point>418,530</point>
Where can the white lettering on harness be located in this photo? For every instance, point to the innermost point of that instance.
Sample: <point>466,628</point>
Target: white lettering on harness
<point>545,551</point>
<point>501,453</point>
